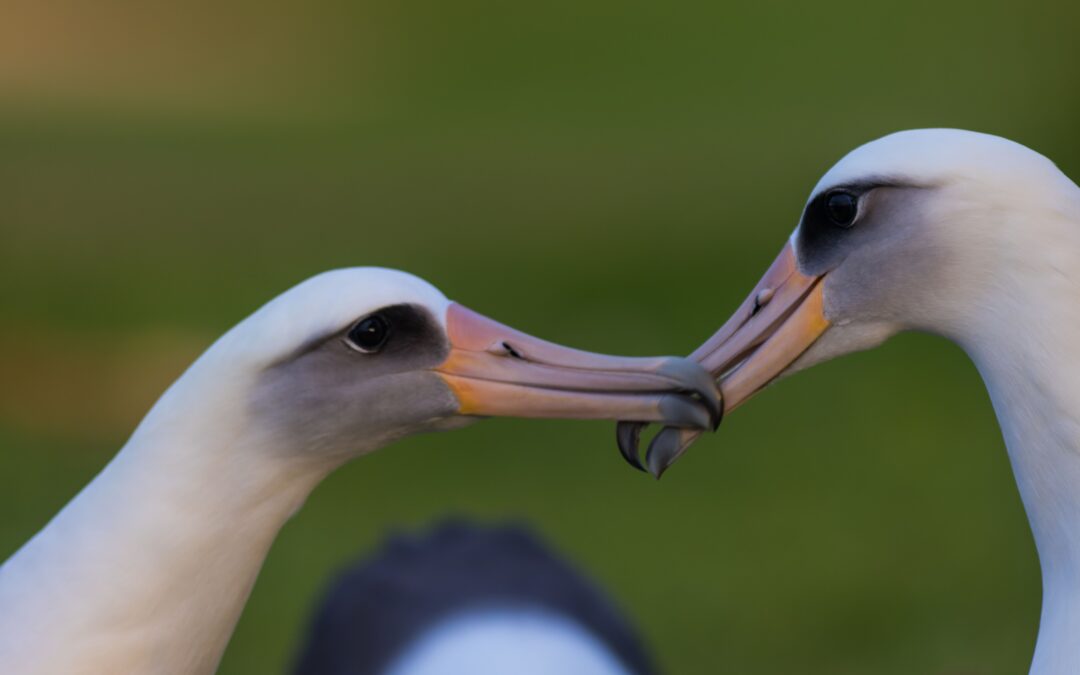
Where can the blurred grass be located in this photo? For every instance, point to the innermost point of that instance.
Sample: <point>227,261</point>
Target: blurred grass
<point>610,175</point>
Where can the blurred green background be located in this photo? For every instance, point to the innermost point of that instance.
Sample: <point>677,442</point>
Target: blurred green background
<point>611,175</point>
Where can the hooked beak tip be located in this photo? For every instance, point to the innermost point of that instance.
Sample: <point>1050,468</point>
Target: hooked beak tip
<point>628,436</point>
<point>680,410</point>
<point>666,448</point>
<point>781,318</point>
<point>657,469</point>
<point>698,381</point>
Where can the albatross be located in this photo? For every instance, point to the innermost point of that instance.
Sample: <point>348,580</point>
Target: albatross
<point>966,235</point>
<point>147,569</point>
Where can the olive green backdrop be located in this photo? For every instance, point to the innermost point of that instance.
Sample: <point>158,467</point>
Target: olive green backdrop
<point>612,175</point>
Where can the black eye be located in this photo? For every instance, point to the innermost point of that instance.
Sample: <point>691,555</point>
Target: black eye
<point>369,335</point>
<point>842,208</point>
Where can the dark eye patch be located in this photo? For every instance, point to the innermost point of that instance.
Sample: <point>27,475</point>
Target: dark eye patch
<point>833,215</point>
<point>413,328</point>
<point>409,328</point>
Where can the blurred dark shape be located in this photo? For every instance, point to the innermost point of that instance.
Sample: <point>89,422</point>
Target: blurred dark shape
<point>376,608</point>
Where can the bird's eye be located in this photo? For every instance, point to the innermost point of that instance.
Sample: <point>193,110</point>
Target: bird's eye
<point>842,208</point>
<point>370,334</point>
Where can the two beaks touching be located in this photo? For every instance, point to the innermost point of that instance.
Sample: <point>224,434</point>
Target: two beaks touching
<point>496,370</point>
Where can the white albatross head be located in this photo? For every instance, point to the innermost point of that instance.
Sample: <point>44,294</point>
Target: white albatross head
<point>353,359</point>
<point>952,232</point>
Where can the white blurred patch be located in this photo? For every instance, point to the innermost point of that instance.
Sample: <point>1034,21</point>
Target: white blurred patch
<point>505,642</point>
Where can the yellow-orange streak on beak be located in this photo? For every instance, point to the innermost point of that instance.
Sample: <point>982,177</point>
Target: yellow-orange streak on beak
<point>495,370</point>
<point>793,337</point>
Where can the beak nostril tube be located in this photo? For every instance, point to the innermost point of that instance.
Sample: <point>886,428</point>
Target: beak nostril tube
<point>762,298</point>
<point>503,348</point>
<point>513,353</point>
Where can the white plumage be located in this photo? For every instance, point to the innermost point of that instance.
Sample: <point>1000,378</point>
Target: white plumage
<point>969,236</point>
<point>147,569</point>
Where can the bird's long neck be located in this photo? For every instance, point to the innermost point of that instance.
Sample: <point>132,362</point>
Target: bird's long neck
<point>148,568</point>
<point>1041,427</point>
<point>1029,356</point>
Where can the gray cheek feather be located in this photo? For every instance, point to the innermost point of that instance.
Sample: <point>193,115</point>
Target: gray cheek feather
<point>888,267</point>
<point>336,403</point>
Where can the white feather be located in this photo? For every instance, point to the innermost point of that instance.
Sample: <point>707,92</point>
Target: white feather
<point>147,569</point>
<point>1010,222</point>
<point>499,642</point>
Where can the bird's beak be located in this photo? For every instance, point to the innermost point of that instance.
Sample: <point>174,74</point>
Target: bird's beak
<point>780,319</point>
<point>495,370</point>
<point>777,322</point>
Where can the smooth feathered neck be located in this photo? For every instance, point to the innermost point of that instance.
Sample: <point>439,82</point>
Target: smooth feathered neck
<point>148,568</point>
<point>1024,338</point>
